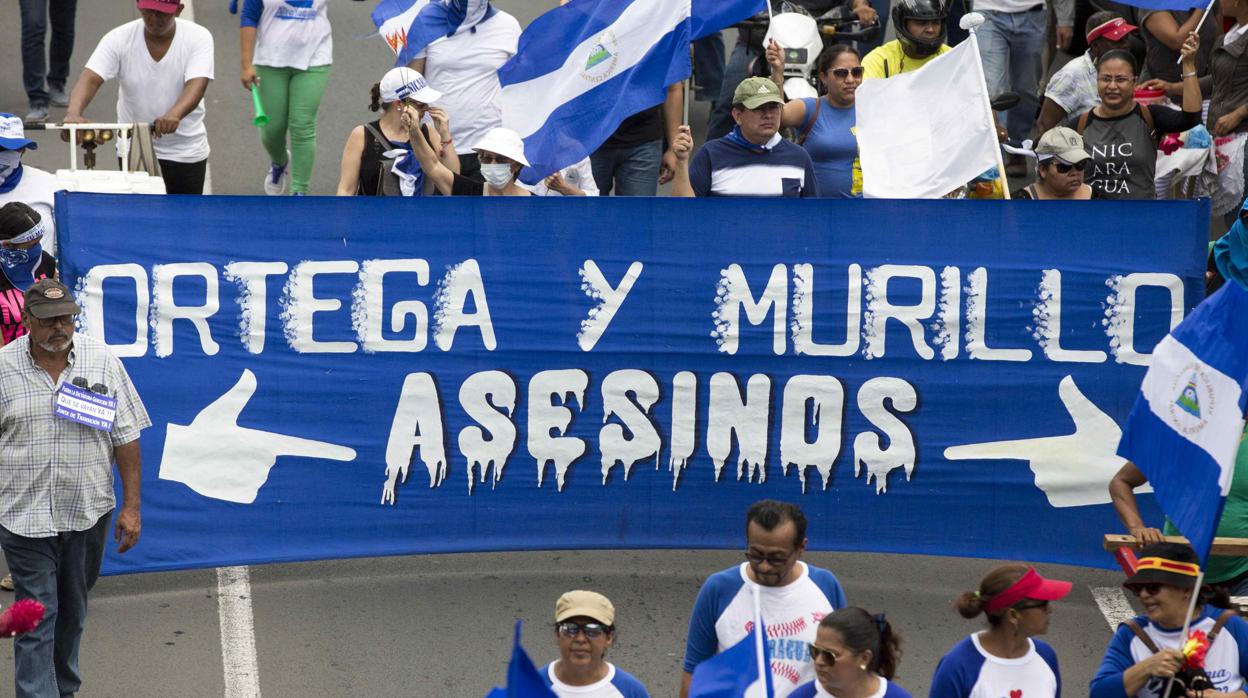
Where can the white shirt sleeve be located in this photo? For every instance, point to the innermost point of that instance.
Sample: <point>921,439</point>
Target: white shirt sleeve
<point>199,63</point>
<point>105,61</point>
<point>585,177</point>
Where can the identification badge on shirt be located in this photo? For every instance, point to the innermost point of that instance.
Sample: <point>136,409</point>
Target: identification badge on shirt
<point>85,407</point>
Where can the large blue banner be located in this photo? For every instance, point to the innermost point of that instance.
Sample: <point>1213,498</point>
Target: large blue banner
<point>350,377</point>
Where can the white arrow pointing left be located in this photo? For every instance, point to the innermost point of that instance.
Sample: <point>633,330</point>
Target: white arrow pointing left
<point>219,459</point>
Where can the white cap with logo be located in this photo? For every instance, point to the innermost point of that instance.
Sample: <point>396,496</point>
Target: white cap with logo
<point>405,83</point>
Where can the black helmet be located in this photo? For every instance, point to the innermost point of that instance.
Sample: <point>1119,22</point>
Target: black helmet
<point>919,9</point>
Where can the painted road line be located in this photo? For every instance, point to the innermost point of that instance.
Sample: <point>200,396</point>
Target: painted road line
<point>1113,604</point>
<point>238,633</point>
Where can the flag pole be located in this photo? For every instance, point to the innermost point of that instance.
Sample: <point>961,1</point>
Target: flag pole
<point>687,84</point>
<point>968,22</point>
<point>1201,23</point>
<point>1187,623</point>
<point>763,669</point>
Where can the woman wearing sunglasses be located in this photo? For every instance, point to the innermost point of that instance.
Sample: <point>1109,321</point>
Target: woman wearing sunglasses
<point>584,630</point>
<point>1145,652</point>
<point>1061,164</point>
<point>825,125</point>
<point>1004,660</point>
<point>856,656</point>
<point>1123,135</point>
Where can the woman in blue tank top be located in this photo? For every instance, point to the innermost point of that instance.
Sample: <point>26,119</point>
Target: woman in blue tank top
<point>825,125</point>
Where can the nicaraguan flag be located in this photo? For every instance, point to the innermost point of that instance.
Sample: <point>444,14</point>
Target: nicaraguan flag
<point>408,26</point>
<point>523,678</point>
<point>741,671</point>
<point>583,68</point>
<point>1184,430</point>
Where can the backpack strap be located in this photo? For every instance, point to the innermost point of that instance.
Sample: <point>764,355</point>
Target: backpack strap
<point>1144,637</point>
<point>1147,115</point>
<point>1083,122</point>
<point>381,138</point>
<point>1221,623</point>
<point>811,126</point>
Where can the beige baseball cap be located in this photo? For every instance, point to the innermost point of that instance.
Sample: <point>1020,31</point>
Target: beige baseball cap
<point>590,604</point>
<point>1065,143</point>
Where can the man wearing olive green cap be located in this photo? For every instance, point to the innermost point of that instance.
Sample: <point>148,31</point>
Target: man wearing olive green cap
<point>752,160</point>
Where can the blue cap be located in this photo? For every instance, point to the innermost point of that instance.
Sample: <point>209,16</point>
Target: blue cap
<point>13,134</point>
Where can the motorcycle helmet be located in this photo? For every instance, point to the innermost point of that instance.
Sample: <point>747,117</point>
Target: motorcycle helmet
<point>919,9</point>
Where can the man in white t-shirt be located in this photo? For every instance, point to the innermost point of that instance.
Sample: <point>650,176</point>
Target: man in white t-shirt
<point>464,68</point>
<point>163,65</point>
<point>19,182</point>
<point>584,630</point>
<point>794,597</point>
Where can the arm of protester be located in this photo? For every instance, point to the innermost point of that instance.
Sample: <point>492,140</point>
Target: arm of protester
<point>686,680</point>
<point>865,13</point>
<point>775,59</point>
<point>441,175</point>
<point>673,116</point>
<point>682,184</point>
<point>80,98</point>
<point>1162,25</point>
<point>443,143</point>
<point>248,21</point>
<point>1064,10</point>
<point>794,113</point>
<point>1051,114</point>
<point>349,170</point>
<point>1191,84</point>
<point>192,95</point>
<point>1228,122</point>
<point>1122,494</point>
<point>128,522</point>
<point>556,182</point>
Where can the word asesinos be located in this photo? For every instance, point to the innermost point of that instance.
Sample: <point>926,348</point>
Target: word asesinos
<point>948,316</point>
<point>811,418</point>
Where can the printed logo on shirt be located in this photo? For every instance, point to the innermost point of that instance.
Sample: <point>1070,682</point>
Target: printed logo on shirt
<point>1193,394</point>
<point>298,10</point>
<point>1111,167</point>
<point>602,59</point>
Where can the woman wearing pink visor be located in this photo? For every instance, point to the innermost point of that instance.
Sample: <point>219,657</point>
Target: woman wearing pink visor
<point>1004,659</point>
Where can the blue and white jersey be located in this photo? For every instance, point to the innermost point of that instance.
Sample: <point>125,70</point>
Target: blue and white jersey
<point>617,684</point>
<point>290,33</point>
<point>723,168</point>
<point>815,690</point>
<point>968,671</point>
<point>724,614</point>
<point>1226,662</point>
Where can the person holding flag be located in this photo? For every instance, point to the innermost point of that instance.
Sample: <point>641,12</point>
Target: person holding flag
<point>1154,649</point>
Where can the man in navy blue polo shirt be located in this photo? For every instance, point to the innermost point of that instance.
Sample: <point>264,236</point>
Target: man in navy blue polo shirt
<point>752,160</point>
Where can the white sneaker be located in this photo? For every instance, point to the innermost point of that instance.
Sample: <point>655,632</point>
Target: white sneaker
<point>277,179</point>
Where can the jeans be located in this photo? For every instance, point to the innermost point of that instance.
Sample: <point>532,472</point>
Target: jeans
<point>58,572</point>
<point>1011,45</point>
<point>721,110</point>
<point>184,177</point>
<point>629,171</point>
<point>35,19</point>
<point>291,98</point>
<point>708,66</point>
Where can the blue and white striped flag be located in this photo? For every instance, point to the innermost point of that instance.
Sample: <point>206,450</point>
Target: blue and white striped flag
<point>1165,4</point>
<point>408,26</point>
<point>741,671</point>
<point>1185,427</point>
<point>584,68</point>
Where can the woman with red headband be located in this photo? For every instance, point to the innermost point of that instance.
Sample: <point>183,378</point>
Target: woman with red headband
<point>1146,651</point>
<point>1004,659</point>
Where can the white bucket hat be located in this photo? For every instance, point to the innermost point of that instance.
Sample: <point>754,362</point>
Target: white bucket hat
<point>405,83</point>
<point>503,141</point>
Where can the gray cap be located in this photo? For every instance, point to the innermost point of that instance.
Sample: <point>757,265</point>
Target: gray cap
<point>1064,143</point>
<point>49,298</point>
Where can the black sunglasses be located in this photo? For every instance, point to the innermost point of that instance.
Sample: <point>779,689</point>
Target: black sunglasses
<point>816,651</point>
<point>842,73</point>
<point>1065,167</point>
<point>1153,588</point>
<point>1029,606</point>
<point>592,631</point>
<point>758,558</point>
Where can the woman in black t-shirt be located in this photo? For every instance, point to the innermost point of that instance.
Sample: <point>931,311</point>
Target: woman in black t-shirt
<point>1122,136</point>
<point>22,263</point>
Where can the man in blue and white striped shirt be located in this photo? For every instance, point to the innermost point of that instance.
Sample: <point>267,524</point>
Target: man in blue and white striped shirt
<point>752,160</point>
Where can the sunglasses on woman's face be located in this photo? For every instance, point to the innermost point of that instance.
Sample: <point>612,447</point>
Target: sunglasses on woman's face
<point>816,651</point>
<point>844,73</point>
<point>1153,588</point>
<point>1066,167</point>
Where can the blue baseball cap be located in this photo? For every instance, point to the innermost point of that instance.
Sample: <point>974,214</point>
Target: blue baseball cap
<point>13,134</point>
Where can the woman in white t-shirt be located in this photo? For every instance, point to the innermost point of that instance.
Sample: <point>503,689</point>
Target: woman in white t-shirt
<point>162,65</point>
<point>287,49</point>
<point>1004,659</point>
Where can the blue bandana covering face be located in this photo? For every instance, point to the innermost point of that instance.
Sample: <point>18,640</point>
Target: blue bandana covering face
<point>19,266</point>
<point>10,170</point>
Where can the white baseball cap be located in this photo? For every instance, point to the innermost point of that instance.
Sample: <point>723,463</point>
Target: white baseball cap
<point>405,83</point>
<point>502,141</point>
<point>13,134</point>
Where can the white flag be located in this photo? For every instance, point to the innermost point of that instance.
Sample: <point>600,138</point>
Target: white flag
<point>925,133</point>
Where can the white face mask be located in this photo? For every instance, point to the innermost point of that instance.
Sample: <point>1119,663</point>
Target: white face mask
<point>498,174</point>
<point>9,160</point>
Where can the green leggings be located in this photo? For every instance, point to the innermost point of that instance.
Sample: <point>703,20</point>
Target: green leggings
<point>291,98</point>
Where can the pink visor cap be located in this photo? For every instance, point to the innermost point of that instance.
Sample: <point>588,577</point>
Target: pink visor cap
<point>1030,586</point>
<point>169,7</point>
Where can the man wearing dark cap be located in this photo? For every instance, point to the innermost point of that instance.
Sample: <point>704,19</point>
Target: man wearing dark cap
<point>69,410</point>
<point>22,262</point>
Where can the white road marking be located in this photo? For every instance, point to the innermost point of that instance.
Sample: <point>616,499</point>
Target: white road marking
<point>188,13</point>
<point>238,633</point>
<point>1113,604</point>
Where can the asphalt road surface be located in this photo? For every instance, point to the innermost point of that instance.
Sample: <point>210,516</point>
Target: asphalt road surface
<point>441,625</point>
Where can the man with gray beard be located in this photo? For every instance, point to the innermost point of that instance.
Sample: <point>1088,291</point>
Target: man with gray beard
<point>67,411</point>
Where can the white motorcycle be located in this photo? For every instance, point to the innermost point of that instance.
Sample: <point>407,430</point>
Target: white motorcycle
<point>803,38</point>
